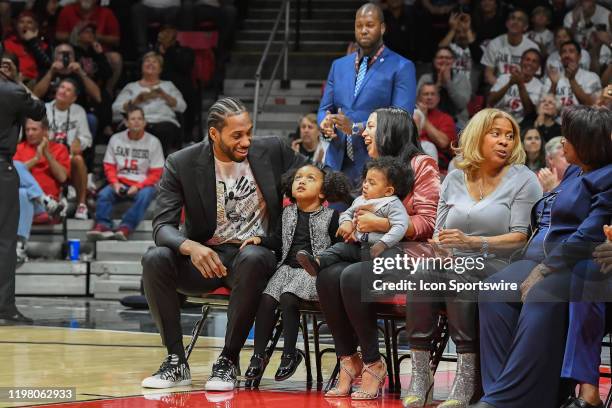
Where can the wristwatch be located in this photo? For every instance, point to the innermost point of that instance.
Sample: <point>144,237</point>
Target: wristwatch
<point>355,129</point>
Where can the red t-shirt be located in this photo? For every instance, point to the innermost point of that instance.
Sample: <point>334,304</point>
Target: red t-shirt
<point>104,19</point>
<point>27,63</point>
<point>445,124</point>
<point>41,171</point>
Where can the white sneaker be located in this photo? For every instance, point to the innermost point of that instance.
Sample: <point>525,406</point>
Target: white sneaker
<point>52,207</point>
<point>22,256</point>
<point>81,212</point>
<point>171,373</point>
<point>223,377</point>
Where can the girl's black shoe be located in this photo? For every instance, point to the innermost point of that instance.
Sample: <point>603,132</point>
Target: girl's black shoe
<point>256,367</point>
<point>289,363</point>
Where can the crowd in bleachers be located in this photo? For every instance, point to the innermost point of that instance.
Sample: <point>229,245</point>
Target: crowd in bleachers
<point>92,62</point>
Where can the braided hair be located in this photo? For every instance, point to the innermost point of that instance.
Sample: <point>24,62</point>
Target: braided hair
<point>221,109</point>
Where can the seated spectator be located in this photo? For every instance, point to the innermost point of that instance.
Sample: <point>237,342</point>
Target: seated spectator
<point>505,51</point>
<point>545,121</point>
<point>65,66</point>
<point>556,164</point>
<point>145,12</point>
<point>29,47</point>
<point>575,86</point>
<point>439,127</point>
<point>461,39</point>
<point>518,92</point>
<point>455,89</point>
<point>534,149</point>
<point>605,97</point>
<point>43,167</point>
<point>309,142</point>
<point>400,34</point>
<point>89,54</point>
<point>488,20</point>
<point>584,19</point>
<point>160,100</point>
<point>178,66</point>
<point>600,49</point>
<point>68,126</point>
<point>133,165</point>
<point>540,34</point>
<point>563,35</point>
<point>47,13</point>
<point>107,31</point>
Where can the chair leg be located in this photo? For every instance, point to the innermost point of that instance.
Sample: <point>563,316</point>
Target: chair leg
<point>395,353</point>
<point>307,350</point>
<point>317,349</point>
<point>440,341</point>
<point>195,333</point>
<point>389,352</point>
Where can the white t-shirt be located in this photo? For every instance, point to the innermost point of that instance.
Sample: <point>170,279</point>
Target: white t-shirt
<point>463,60</point>
<point>554,60</point>
<point>65,126</point>
<point>511,101</point>
<point>134,158</point>
<point>500,55</point>
<point>241,209</point>
<point>583,34</point>
<point>588,81</point>
<point>546,38</point>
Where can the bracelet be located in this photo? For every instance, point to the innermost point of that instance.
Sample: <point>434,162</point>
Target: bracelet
<point>484,249</point>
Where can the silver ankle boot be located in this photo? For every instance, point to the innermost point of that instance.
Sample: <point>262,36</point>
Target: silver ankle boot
<point>420,390</point>
<point>464,384</point>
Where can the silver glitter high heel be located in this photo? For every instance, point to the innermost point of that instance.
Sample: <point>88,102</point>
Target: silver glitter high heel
<point>464,383</point>
<point>420,390</point>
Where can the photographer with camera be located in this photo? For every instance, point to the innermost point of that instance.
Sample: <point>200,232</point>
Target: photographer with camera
<point>133,165</point>
<point>65,66</point>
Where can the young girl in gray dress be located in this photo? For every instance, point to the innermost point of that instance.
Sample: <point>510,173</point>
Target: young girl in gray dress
<point>305,225</point>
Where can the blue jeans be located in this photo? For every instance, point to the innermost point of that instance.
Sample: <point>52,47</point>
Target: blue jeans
<point>107,198</point>
<point>29,192</point>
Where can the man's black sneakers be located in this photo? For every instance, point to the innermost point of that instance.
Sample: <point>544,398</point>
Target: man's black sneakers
<point>171,373</point>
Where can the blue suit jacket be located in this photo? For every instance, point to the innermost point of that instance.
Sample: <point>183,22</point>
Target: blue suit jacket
<point>390,81</point>
<point>583,205</point>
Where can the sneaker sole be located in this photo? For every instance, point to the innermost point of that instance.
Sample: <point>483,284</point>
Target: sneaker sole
<point>159,384</point>
<point>218,386</point>
<point>99,236</point>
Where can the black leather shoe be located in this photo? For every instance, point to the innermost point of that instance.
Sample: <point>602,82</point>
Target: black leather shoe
<point>289,363</point>
<point>256,367</point>
<point>481,404</point>
<point>308,262</point>
<point>580,403</point>
<point>14,318</point>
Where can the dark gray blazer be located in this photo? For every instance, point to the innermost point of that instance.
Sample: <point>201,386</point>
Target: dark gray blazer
<point>15,106</point>
<point>189,181</point>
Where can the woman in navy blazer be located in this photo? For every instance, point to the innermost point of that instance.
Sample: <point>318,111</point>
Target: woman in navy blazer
<point>522,332</point>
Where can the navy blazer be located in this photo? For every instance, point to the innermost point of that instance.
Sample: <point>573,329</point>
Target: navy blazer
<point>582,206</point>
<point>390,81</point>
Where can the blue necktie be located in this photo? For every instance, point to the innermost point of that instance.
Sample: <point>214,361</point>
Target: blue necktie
<point>363,67</point>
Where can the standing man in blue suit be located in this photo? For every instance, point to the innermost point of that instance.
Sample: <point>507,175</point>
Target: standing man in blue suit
<point>370,78</point>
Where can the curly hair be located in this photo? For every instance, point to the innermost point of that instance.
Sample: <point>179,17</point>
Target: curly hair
<point>336,185</point>
<point>394,170</point>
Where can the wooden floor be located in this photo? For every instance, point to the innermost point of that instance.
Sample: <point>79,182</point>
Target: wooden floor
<point>106,364</point>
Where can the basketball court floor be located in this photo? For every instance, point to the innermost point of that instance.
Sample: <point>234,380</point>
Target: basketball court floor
<point>103,351</point>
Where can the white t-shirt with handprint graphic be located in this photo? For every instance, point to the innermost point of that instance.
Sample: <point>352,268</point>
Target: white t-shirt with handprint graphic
<point>241,209</point>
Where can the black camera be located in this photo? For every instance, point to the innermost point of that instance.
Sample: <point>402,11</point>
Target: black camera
<point>123,191</point>
<point>65,58</point>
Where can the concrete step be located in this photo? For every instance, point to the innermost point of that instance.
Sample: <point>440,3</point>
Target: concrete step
<point>302,65</point>
<point>58,278</point>
<point>281,117</point>
<point>114,268</point>
<point>344,24</point>
<point>122,250</point>
<point>305,90</point>
<point>305,35</point>
<point>114,288</point>
<point>77,229</point>
<point>336,45</point>
<point>315,4</point>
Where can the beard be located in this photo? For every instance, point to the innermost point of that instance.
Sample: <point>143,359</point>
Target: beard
<point>229,153</point>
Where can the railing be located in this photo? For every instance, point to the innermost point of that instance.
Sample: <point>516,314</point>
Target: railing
<point>283,56</point>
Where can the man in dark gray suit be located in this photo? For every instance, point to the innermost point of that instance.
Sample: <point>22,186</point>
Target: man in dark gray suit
<point>16,105</point>
<point>229,188</point>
